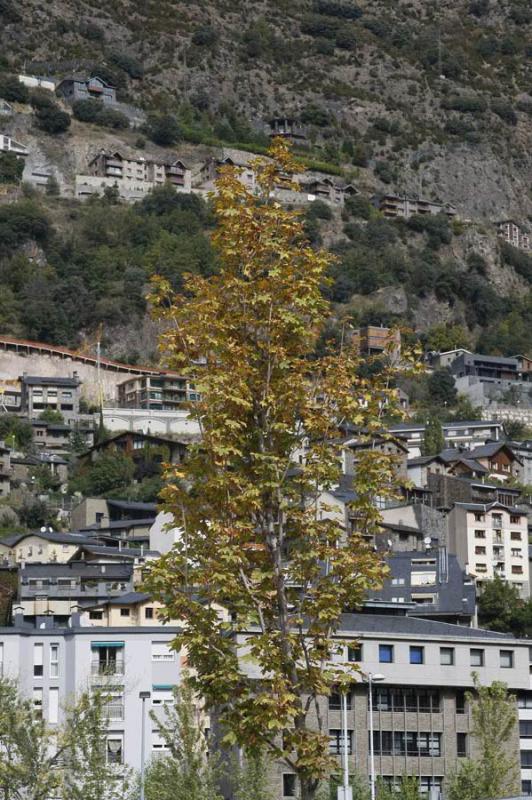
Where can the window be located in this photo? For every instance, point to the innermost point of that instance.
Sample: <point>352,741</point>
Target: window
<point>107,658</point>
<point>124,612</point>
<point>460,701</point>
<point>507,658</point>
<point>289,785</point>
<point>162,695</point>
<point>515,519</point>
<point>524,700</point>
<point>480,534</point>
<point>401,700</point>
<point>158,743</point>
<point>398,581</point>
<point>517,570</point>
<point>479,517</point>
<point>526,758</point>
<point>336,742</point>
<point>38,660</point>
<point>37,701</point>
<point>335,701</point>
<point>525,728</point>
<point>148,613</point>
<point>428,782</point>
<point>54,660</point>
<point>526,787</point>
<point>53,705</point>
<point>160,651</point>
<point>417,655</point>
<point>480,551</point>
<point>114,750</point>
<point>481,568</point>
<point>461,745</point>
<point>476,657</point>
<point>409,743</point>
<point>386,653</point>
<point>447,656</point>
<point>95,614</point>
<point>517,552</point>
<point>515,536</point>
<point>354,653</point>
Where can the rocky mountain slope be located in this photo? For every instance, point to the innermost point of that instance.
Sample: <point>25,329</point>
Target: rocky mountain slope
<point>424,98</point>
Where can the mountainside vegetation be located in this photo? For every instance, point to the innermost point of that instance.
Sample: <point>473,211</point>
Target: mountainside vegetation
<point>394,96</point>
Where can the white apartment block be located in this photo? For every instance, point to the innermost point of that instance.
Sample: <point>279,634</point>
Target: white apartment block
<point>9,145</point>
<point>54,665</point>
<point>491,540</point>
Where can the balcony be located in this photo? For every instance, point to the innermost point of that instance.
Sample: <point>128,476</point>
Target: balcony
<point>106,669</point>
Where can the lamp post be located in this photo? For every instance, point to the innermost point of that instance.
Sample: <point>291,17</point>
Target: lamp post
<point>372,678</point>
<point>143,696</point>
<point>345,792</point>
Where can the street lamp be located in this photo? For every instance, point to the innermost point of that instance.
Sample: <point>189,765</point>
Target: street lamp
<point>143,696</point>
<point>371,679</point>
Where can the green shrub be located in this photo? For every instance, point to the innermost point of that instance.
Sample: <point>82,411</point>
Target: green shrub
<point>20,222</point>
<point>12,90</point>
<point>91,32</point>
<point>110,118</point>
<point>332,8</point>
<point>11,168</point>
<point>346,38</point>
<point>479,8</point>
<point>87,110</point>
<point>205,36</point>
<point>519,260</point>
<point>319,210</point>
<point>96,112</point>
<point>521,15</point>
<point>378,27</point>
<point>164,130</point>
<point>504,110</point>
<point>52,119</point>
<point>8,12</point>
<point>359,206</point>
<point>324,47</point>
<point>384,171</point>
<point>127,63</point>
<point>465,103</point>
<point>315,115</point>
<point>435,226</point>
<point>322,27</point>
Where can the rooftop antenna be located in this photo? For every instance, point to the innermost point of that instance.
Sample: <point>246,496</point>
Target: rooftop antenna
<point>427,541</point>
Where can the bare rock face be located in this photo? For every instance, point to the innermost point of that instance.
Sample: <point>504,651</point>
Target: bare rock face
<point>391,299</point>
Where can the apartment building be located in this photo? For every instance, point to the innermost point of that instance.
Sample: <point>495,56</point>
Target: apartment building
<point>159,393</point>
<point>467,434</point>
<point>40,394</point>
<point>514,234</point>
<point>400,206</point>
<point>491,540</point>
<point>41,547</point>
<point>52,665</point>
<point>5,469</point>
<point>421,720</point>
<point>133,178</point>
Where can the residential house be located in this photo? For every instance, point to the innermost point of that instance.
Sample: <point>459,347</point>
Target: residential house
<point>399,206</point>
<point>40,547</point>
<point>133,609</point>
<point>50,394</point>
<point>491,540</point>
<point>23,466</point>
<point>9,145</point>
<point>513,233</point>
<point>429,584</point>
<point>55,437</point>
<point>498,459</point>
<point>327,190</point>
<point>134,444</point>
<point>59,589</point>
<point>466,434</point>
<point>133,178</point>
<point>160,392</point>
<point>389,445</point>
<point>523,451</point>
<point>210,169</point>
<point>287,128</point>
<point>101,511</point>
<point>449,489</point>
<point>407,527</point>
<point>485,368</point>
<point>444,359</point>
<point>10,395</point>
<point>373,340</point>
<point>80,87</point>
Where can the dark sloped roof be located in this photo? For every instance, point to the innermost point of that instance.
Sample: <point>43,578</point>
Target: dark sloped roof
<point>130,505</point>
<point>82,569</point>
<point>130,598</point>
<point>56,538</point>
<point>37,380</point>
<point>119,524</point>
<point>413,626</point>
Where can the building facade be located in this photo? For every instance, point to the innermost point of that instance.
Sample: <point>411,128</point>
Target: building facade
<point>514,234</point>
<point>82,88</point>
<point>157,393</point>
<point>394,206</point>
<point>491,540</point>
<point>50,394</point>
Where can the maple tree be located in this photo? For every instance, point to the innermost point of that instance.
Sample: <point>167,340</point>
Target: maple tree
<point>257,540</point>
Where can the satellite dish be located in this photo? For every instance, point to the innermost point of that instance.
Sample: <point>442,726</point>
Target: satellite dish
<point>43,529</point>
<point>389,542</point>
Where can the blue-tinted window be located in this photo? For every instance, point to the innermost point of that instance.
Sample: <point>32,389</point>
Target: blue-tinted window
<point>416,655</point>
<point>386,653</point>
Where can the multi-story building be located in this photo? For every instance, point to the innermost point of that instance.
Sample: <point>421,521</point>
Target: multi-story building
<point>375,339</point>
<point>485,368</point>
<point>160,393</point>
<point>41,547</point>
<point>76,88</point>
<point>467,434</point>
<point>287,128</point>
<point>421,718</point>
<point>393,206</point>
<point>514,234</point>
<point>50,394</point>
<point>491,540</point>
<point>133,178</point>
<point>9,145</point>
<point>52,665</point>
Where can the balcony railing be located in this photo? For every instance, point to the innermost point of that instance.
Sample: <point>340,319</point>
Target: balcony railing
<point>106,668</point>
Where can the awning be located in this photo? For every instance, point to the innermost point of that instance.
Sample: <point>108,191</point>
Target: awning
<point>107,644</point>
